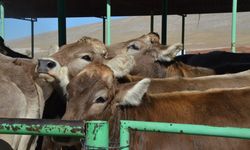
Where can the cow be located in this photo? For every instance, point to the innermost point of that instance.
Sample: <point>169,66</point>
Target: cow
<point>9,52</point>
<point>220,61</point>
<point>161,85</point>
<point>21,97</point>
<point>22,78</point>
<point>94,94</point>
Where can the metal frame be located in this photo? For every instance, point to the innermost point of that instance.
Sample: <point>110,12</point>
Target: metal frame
<point>97,132</point>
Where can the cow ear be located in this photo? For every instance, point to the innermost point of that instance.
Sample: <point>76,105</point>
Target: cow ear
<point>132,94</point>
<point>121,65</point>
<point>169,53</point>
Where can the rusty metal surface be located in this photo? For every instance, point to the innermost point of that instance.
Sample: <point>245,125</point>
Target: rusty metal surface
<point>43,127</point>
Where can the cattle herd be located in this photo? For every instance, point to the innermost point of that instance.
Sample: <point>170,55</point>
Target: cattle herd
<point>139,79</point>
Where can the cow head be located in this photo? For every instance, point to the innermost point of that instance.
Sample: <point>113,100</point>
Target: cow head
<point>71,58</point>
<point>134,45</point>
<point>95,94</point>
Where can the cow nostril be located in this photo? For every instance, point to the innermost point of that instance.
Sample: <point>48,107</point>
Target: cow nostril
<point>51,64</point>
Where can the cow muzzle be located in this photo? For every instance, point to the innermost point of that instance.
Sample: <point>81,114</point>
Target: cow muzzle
<point>45,65</point>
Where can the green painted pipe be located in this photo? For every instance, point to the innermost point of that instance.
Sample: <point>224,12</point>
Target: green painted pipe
<point>108,36</point>
<point>41,127</point>
<point>97,135</point>
<point>231,132</point>
<point>234,22</point>
<point>2,19</point>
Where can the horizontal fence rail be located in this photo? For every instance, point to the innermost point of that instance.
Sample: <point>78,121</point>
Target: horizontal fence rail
<point>230,132</point>
<point>45,127</point>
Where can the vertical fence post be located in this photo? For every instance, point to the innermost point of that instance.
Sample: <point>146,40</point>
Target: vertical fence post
<point>108,22</point>
<point>124,135</point>
<point>234,22</point>
<point>61,22</point>
<point>97,135</point>
<point>2,19</point>
<point>183,33</point>
<point>164,23</point>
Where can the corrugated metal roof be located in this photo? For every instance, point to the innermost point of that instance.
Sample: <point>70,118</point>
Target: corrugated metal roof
<point>83,8</point>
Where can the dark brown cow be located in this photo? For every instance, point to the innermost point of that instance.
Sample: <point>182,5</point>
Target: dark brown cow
<point>157,85</point>
<point>95,94</point>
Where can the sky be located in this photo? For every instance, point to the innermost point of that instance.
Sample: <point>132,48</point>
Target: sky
<point>15,28</point>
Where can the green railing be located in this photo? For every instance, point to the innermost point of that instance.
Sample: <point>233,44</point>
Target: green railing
<point>231,132</point>
<point>97,133</point>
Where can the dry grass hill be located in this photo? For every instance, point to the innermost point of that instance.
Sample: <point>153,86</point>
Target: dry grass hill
<point>202,32</point>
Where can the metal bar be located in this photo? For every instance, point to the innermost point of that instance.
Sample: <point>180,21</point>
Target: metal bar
<point>32,38</point>
<point>234,22</point>
<point>97,135</point>
<point>61,22</point>
<point>43,127</point>
<point>124,135</point>
<point>108,36</point>
<point>151,23</point>
<point>2,20</point>
<point>104,30</point>
<point>164,23</point>
<point>183,33</point>
<point>230,132</point>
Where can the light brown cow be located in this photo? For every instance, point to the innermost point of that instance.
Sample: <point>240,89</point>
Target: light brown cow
<point>21,97</point>
<point>237,80</point>
<point>95,94</point>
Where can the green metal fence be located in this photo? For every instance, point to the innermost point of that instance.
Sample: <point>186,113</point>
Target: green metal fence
<point>97,132</point>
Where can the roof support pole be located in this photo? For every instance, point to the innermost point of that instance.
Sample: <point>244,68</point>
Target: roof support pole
<point>32,37</point>
<point>233,34</point>
<point>108,22</point>
<point>152,23</point>
<point>61,22</point>
<point>103,30</point>
<point>2,19</point>
<point>164,23</point>
<point>183,33</point>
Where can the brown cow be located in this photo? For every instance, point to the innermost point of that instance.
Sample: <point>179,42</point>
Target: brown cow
<point>95,94</point>
<point>237,80</point>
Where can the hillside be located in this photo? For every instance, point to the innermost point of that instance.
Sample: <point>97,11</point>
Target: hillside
<point>202,31</point>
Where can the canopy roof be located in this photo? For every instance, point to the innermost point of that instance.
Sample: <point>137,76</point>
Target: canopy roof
<point>97,8</point>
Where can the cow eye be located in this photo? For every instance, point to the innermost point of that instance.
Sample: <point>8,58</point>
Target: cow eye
<point>86,57</point>
<point>100,100</point>
<point>133,46</point>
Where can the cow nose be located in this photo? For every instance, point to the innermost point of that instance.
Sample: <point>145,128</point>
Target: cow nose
<point>51,64</point>
<point>45,65</point>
